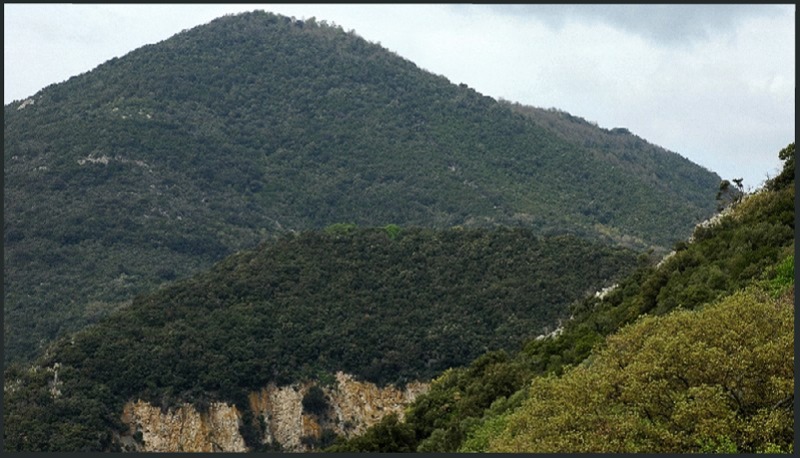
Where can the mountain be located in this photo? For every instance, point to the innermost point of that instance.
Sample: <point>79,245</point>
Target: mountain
<point>693,354</point>
<point>155,165</point>
<point>388,306</point>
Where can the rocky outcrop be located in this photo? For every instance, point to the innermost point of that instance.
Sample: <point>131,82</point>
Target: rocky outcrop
<point>183,429</point>
<point>25,103</point>
<point>281,411</point>
<point>352,407</point>
<point>359,405</point>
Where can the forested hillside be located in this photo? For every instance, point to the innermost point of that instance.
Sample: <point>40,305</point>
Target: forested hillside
<point>388,305</point>
<point>694,354</point>
<point>716,379</point>
<point>157,164</point>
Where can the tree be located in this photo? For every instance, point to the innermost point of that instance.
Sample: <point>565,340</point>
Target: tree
<point>315,402</point>
<point>786,177</point>
<point>389,435</point>
<point>728,195</point>
<point>717,378</point>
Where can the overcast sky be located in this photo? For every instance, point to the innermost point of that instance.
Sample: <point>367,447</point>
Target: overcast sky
<point>714,83</point>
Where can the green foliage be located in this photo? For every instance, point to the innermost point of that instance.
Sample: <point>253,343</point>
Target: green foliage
<point>721,444</point>
<point>729,195</point>
<point>327,438</point>
<point>783,276</point>
<point>388,436</point>
<point>773,448</point>
<point>478,438</point>
<point>315,402</point>
<point>463,394</point>
<point>658,169</point>
<point>83,417</point>
<point>155,165</point>
<point>392,230</point>
<point>752,244</point>
<point>717,379</point>
<point>387,311</point>
<point>340,229</point>
<point>786,177</point>
<point>442,417</point>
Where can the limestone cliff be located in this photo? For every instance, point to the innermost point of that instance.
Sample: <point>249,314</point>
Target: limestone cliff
<point>278,413</point>
<point>184,429</point>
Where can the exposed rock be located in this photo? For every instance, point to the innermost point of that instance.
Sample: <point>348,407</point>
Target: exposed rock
<point>282,411</point>
<point>551,335</point>
<point>25,103</point>
<point>95,160</point>
<point>105,160</point>
<point>55,384</point>
<point>354,406</point>
<point>364,404</point>
<point>277,411</point>
<point>604,292</point>
<point>184,429</point>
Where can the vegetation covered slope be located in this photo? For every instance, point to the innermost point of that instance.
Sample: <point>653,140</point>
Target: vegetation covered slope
<point>387,305</point>
<point>716,379</point>
<point>751,243</point>
<point>156,164</point>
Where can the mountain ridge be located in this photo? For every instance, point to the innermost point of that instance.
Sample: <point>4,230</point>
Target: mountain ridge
<point>154,165</point>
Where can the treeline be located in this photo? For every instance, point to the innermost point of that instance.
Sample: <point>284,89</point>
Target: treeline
<point>388,305</point>
<point>614,381</point>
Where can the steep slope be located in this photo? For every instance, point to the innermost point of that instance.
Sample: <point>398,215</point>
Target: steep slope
<point>750,245</point>
<point>716,379</point>
<point>388,305</point>
<point>154,165</point>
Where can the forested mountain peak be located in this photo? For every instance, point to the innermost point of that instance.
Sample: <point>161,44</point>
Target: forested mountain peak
<point>158,163</point>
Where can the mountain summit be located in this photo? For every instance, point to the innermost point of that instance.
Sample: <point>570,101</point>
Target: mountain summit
<point>156,164</point>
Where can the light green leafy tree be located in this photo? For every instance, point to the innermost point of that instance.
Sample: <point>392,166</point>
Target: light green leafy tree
<point>719,378</point>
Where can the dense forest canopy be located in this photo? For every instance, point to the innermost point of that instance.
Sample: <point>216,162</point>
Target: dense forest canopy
<point>716,379</point>
<point>265,200</point>
<point>388,305</point>
<point>694,354</point>
<point>157,164</point>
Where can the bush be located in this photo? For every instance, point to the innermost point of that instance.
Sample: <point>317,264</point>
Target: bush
<point>315,402</point>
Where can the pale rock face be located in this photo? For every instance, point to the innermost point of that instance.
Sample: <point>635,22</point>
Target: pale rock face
<point>25,103</point>
<point>354,406</point>
<point>282,411</point>
<point>184,429</point>
<point>364,404</point>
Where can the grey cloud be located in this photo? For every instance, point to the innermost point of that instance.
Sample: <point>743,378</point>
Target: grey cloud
<point>662,24</point>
